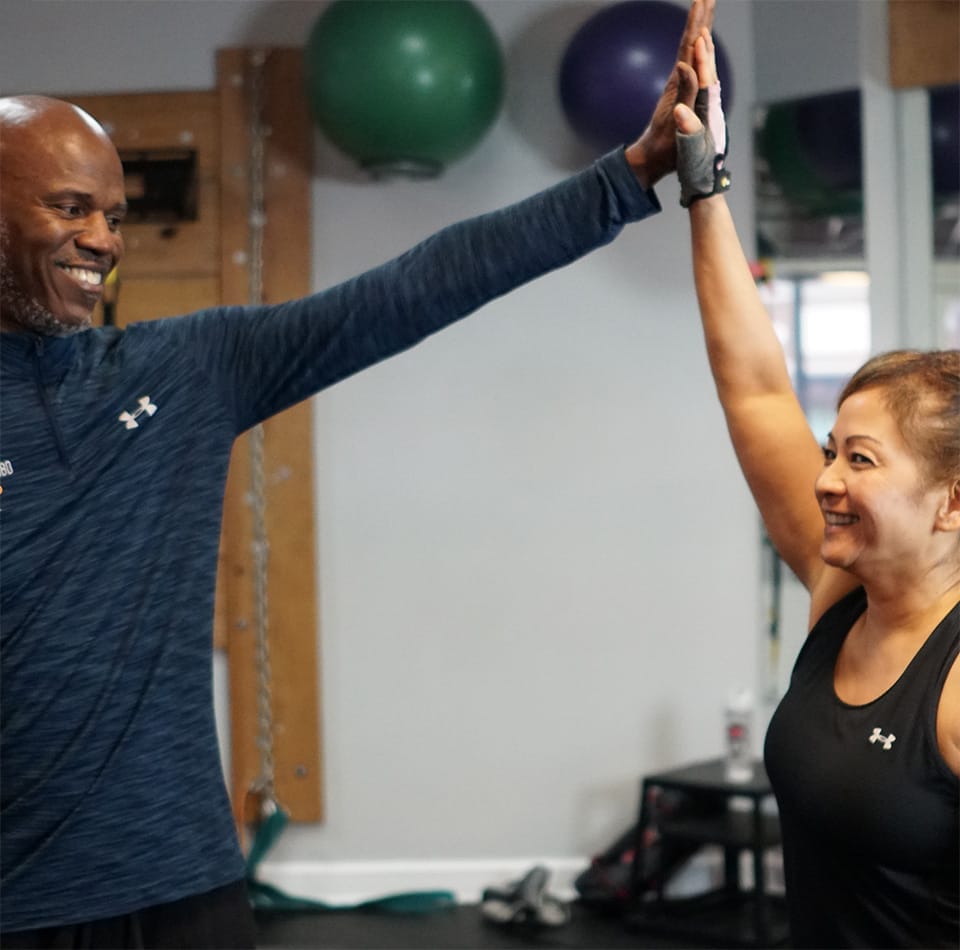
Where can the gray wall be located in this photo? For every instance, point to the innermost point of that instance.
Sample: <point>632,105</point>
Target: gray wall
<point>806,47</point>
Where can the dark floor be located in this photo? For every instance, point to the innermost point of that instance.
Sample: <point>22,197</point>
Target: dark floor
<point>458,928</point>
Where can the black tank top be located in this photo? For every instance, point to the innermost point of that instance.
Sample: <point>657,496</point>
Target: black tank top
<point>868,806</point>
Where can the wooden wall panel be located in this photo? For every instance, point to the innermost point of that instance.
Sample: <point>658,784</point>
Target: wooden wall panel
<point>924,42</point>
<point>158,121</point>
<point>293,622</point>
<point>145,298</point>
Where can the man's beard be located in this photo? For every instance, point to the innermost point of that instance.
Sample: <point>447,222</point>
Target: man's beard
<point>24,311</point>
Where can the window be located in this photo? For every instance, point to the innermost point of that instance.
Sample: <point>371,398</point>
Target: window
<point>822,319</point>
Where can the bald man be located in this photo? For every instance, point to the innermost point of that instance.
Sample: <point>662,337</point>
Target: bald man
<point>61,213</point>
<point>116,826</point>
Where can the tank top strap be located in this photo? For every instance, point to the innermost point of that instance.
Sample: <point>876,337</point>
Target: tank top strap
<point>821,648</point>
<point>838,618</point>
<point>943,645</point>
<point>931,665</point>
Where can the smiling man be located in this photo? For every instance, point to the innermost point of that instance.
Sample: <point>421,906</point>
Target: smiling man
<point>115,826</point>
<point>62,200</point>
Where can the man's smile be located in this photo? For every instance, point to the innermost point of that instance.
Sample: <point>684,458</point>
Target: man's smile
<point>88,279</point>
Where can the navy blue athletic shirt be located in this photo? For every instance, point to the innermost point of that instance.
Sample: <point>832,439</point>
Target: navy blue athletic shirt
<point>114,447</point>
<point>868,806</point>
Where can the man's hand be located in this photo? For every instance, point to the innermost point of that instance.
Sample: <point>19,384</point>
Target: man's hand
<point>702,132</point>
<point>654,154</point>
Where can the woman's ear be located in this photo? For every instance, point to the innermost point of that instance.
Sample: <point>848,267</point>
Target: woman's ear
<point>948,517</point>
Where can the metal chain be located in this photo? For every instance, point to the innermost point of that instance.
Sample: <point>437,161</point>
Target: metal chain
<point>264,783</point>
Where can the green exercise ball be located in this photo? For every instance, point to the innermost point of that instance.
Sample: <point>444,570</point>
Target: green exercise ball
<point>403,86</point>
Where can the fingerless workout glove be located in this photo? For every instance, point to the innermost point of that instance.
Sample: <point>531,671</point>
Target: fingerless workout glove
<point>701,155</point>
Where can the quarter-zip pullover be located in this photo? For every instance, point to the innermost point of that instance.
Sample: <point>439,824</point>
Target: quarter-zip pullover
<point>114,446</point>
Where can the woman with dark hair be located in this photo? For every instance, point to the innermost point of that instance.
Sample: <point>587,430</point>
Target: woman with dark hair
<point>864,749</point>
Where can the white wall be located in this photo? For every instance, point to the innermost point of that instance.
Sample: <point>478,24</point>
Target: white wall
<point>806,47</point>
<point>539,568</point>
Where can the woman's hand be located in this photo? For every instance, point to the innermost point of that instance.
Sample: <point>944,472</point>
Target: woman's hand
<point>702,131</point>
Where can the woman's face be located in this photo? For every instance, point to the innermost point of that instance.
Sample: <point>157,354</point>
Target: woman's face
<point>878,514</point>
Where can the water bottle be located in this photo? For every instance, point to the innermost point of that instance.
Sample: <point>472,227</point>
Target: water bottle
<point>739,747</point>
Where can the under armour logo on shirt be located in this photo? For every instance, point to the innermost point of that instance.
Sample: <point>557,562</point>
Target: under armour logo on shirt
<point>887,741</point>
<point>129,419</point>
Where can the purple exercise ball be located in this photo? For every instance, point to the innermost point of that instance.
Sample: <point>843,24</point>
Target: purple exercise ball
<point>616,66</point>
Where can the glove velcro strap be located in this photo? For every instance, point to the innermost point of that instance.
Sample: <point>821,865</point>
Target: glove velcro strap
<point>700,169</point>
<point>721,183</point>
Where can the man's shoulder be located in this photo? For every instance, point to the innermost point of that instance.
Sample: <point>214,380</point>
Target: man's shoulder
<point>159,331</point>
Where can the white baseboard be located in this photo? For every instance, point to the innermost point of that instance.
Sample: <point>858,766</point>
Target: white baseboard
<point>349,882</point>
